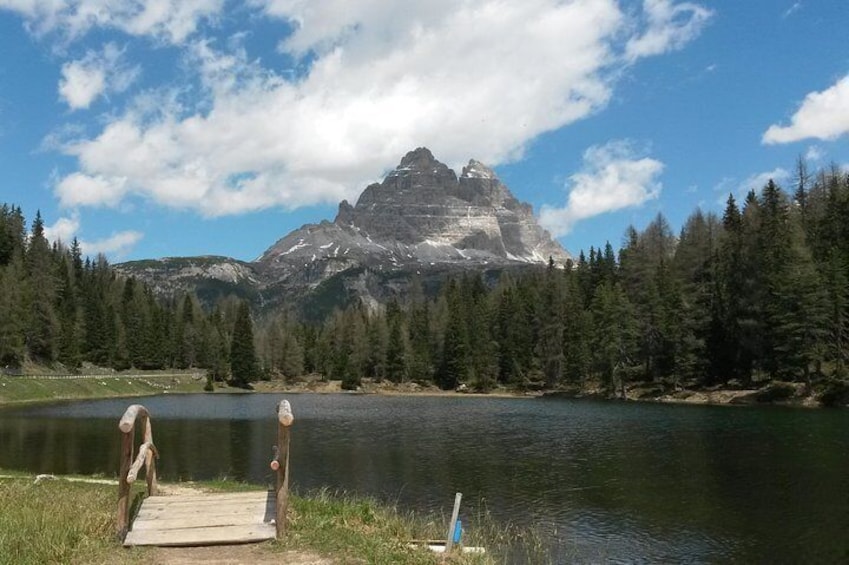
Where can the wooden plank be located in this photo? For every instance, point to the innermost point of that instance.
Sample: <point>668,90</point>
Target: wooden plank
<point>202,536</point>
<point>145,513</point>
<point>234,498</point>
<point>210,519</point>
<point>211,495</point>
<point>223,510</point>
<point>263,511</point>
<point>173,522</point>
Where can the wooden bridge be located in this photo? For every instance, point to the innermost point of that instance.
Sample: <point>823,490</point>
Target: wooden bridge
<point>198,518</point>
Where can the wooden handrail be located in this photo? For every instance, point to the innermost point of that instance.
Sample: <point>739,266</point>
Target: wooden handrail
<point>130,468</point>
<point>280,463</point>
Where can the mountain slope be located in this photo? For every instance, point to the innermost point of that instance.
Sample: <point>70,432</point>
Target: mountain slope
<point>422,219</point>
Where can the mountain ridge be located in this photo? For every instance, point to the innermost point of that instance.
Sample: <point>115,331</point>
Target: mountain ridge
<point>421,217</point>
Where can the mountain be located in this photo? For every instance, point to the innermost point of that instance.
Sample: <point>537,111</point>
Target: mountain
<point>422,219</point>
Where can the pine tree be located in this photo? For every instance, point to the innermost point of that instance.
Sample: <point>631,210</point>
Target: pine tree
<point>613,337</point>
<point>69,325</point>
<point>576,329</point>
<point>396,354</point>
<point>42,324</point>
<point>836,281</point>
<point>244,368</point>
<point>12,313</point>
<point>454,368</point>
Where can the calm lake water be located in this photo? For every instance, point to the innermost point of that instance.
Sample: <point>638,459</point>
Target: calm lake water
<point>604,482</point>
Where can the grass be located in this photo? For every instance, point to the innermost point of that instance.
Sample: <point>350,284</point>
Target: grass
<point>18,390</point>
<point>355,529</point>
<point>57,521</point>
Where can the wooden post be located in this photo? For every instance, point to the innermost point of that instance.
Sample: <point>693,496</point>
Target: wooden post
<point>150,459</point>
<point>123,486</point>
<point>449,541</point>
<point>284,421</point>
<point>128,469</point>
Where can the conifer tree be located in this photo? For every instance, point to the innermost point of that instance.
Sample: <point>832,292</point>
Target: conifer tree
<point>244,367</point>
<point>42,323</point>
<point>12,313</point>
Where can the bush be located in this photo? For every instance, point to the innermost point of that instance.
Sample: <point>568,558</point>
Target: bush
<point>776,392</point>
<point>835,393</point>
<point>350,382</point>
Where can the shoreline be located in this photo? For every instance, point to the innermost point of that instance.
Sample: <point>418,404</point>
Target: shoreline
<point>47,389</point>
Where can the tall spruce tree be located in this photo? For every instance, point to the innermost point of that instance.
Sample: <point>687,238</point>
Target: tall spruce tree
<point>42,323</point>
<point>244,367</point>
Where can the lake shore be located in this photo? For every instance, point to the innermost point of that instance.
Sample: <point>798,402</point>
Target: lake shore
<point>775,393</point>
<point>34,389</point>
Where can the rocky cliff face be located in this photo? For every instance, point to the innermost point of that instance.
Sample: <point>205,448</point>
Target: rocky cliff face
<point>422,214</point>
<point>422,218</point>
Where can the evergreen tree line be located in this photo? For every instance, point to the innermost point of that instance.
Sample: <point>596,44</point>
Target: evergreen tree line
<point>758,294</point>
<point>57,307</point>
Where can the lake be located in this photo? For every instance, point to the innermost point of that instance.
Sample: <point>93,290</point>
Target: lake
<point>603,481</point>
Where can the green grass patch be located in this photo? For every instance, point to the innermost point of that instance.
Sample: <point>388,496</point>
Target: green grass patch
<point>358,529</point>
<point>59,521</point>
<point>18,390</point>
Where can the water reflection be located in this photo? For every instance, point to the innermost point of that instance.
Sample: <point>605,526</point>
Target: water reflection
<point>614,482</point>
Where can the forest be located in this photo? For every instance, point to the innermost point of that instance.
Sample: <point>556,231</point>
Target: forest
<point>758,295</point>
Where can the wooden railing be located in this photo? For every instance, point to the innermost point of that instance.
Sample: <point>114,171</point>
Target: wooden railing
<point>148,454</point>
<point>130,468</point>
<point>280,464</point>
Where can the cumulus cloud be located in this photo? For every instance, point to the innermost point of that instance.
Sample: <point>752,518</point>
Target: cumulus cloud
<point>477,79</point>
<point>815,153</point>
<point>669,26</point>
<point>117,245</point>
<point>614,177</point>
<point>64,230</point>
<point>759,180</point>
<point>170,21</point>
<point>98,73</point>
<point>78,189</point>
<point>822,115</point>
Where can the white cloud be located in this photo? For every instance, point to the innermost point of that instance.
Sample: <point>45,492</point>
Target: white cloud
<point>477,79</point>
<point>614,177</point>
<point>759,180</point>
<point>822,115</point>
<point>815,153</point>
<point>64,230</point>
<point>669,26</point>
<point>78,189</point>
<point>115,246</point>
<point>171,21</point>
<point>792,10</point>
<point>96,74</point>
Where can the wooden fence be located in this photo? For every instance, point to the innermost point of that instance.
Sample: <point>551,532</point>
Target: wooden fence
<point>130,468</point>
<point>281,465</point>
<point>147,455</point>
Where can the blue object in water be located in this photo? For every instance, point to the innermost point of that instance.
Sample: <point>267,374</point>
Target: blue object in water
<point>458,531</point>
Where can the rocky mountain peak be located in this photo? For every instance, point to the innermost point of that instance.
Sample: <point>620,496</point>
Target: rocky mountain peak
<point>420,159</point>
<point>422,214</point>
<point>422,218</point>
<point>476,169</point>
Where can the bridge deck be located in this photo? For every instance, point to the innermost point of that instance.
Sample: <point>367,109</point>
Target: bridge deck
<point>204,519</point>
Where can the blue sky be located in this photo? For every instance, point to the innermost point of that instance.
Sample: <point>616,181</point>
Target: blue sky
<point>153,128</point>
